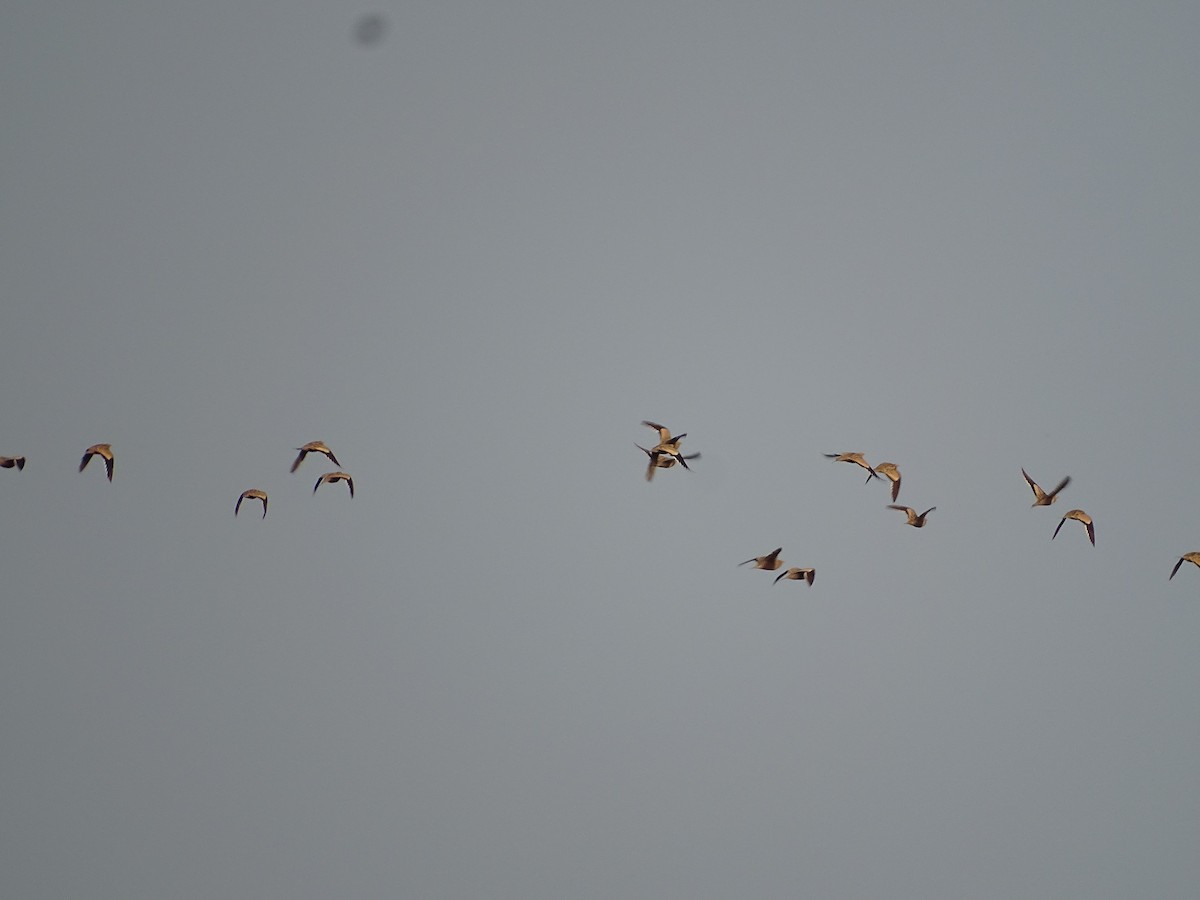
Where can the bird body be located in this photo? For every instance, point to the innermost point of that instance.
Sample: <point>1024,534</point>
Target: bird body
<point>313,447</point>
<point>252,494</point>
<point>797,574</point>
<point>332,477</point>
<point>667,446</point>
<point>104,451</point>
<point>770,562</point>
<point>1080,516</point>
<point>1040,497</point>
<point>665,441</point>
<point>660,460</point>
<point>7,462</point>
<point>916,521</point>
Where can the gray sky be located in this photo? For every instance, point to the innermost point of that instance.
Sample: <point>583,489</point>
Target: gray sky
<point>472,257</point>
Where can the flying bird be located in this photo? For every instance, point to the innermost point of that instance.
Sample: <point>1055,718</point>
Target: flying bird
<point>104,451</point>
<point>313,447</point>
<point>1080,516</point>
<point>913,519</point>
<point>892,473</point>
<point>661,460</point>
<point>668,445</point>
<point>1040,497</point>
<point>252,494</point>
<point>856,458</point>
<point>331,477</point>
<point>808,575</point>
<point>665,441</point>
<point>7,462</point>
<point>770,562</point>
<point>1193,558</point>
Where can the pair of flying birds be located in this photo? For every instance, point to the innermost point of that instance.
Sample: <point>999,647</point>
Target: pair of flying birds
<point>771,562</point>
<point>327,478</point>
<point>666,452</point>
<point>104,451</point>
<point>891,472</point>
<point>1041,498</point>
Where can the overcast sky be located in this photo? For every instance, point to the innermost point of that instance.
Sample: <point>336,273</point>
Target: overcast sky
<point>471,257</point>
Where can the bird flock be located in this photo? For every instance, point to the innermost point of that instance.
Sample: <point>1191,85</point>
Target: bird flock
<point>105,452</point>
<point>667,453</point>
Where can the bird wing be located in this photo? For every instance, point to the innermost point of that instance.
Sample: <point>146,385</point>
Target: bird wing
<point>1033,485</point>
<point>664,434</point>
<point>1062,484</point>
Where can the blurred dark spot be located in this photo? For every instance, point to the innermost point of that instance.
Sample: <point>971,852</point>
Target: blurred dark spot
<point>370,29</point>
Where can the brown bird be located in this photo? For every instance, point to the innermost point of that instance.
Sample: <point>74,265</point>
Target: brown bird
<point>770,562</point>
<point>856,458</point>
<point>665,441</point>
<point>331,477</point>
<point>104,451</point>
<point>892,473</point>
<point>913,519</point>
<point>313,447</point>
<point>1040,497</point>
<point>1080,516</point>
<point>7,462</point>
<point>252,494</point>
<point>808,575</point>
<point>668,445</point>
<point>1193,558</point>
<point>661,460</point>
